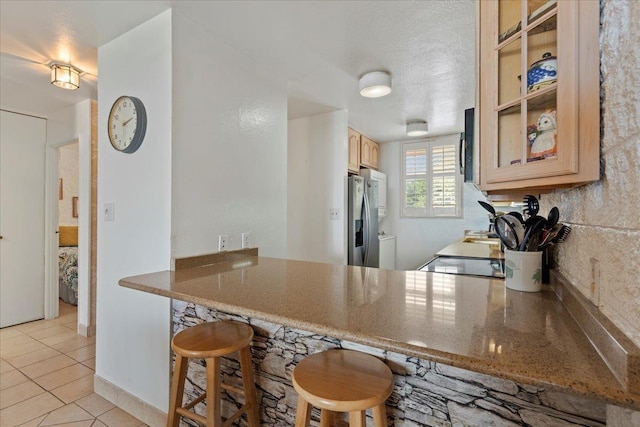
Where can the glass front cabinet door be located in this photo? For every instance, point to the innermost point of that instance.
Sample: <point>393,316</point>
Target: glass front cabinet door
<point>539,94</point>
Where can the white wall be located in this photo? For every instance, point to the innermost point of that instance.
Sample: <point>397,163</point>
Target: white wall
<point>229,147</point>
<point>419,238</point>
<point>317,167</point>
<point>68,172</point>
<point>73,125</point>
<point>132,349</point>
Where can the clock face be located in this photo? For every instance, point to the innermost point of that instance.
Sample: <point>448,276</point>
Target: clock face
<point>127,124</point>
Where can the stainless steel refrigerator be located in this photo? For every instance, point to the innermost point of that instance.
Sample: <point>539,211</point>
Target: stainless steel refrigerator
<point>364,247</point>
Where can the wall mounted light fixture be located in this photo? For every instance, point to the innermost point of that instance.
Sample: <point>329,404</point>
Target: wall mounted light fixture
<point>417,128</point>
<point>375,84</point>
<point>65,76</point>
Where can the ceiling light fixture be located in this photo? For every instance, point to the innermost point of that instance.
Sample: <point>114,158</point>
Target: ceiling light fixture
<point>65,76</point>
<point>417,128</point>
<point>375,84</point>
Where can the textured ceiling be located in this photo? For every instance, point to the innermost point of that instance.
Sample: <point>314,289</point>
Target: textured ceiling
<point>321,48</point>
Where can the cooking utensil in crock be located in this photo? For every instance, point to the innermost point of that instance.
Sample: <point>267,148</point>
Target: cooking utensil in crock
<point>533,206</point>
<point>564,232</point>
<point>517,215</point>
<point>533,227</point>
<point>550,234</point>
<point>552,219</point>
<point>509,230</point>
<point>488,207</point>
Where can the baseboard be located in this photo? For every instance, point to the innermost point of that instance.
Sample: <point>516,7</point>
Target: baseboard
<point>124,400</point>
<point>86,331</point>
<point>83,330</point>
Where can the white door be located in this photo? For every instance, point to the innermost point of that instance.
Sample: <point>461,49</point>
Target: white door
<point>22,184</point>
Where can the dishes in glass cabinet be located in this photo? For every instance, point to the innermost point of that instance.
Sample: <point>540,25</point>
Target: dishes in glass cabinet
<point>542,72</point>
<point>542,138</point>
<point>544,144</point>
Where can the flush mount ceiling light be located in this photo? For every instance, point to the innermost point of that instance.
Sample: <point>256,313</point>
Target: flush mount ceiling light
<point>65,76</point>
<point>375,84</point>
<point>417,128</point>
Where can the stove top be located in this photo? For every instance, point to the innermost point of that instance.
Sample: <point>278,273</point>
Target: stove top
<point>466,266</point>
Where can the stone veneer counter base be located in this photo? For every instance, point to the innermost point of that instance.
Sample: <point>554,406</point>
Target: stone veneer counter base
<point>465,322</point>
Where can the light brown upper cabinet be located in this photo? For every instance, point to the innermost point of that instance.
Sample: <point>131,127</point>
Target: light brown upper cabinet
<point>539,94</point>
<point>369,153</point>
<point>354,151</point>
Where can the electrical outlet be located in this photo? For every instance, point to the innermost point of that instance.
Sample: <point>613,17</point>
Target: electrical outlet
<point>246,240</point>
<point>246,243</point>
<point>222,242</point>
<point>595,281</point>
<point>334,213</point>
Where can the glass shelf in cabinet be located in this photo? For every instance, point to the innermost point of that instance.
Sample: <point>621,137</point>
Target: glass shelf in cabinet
<point>539,99</point>
<point>543,99</point>
<point>513,107</point>
<point>542,12</point>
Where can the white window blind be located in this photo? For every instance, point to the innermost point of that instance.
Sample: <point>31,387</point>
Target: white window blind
<point>431,183</point>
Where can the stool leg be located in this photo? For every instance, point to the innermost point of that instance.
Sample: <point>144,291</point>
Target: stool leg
<point>214,404</point>
<point>357,419</point>
<point>303,413</point>
<point>177,390</point>
<point>326,418</point>
<point>250,394</point>
<point>380,415</point>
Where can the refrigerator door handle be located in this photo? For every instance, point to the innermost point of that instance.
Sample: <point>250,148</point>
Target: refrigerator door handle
<point>367,224</point>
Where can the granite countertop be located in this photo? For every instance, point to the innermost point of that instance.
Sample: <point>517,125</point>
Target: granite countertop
<point>467,322</point>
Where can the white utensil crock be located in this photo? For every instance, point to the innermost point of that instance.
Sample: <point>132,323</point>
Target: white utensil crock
<point>523,270</point>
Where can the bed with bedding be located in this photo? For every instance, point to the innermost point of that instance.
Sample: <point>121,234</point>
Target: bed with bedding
<point>68,264</point>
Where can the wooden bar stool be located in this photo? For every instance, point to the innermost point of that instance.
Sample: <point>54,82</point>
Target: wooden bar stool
<point>210,341</point>
<point>342,381</point>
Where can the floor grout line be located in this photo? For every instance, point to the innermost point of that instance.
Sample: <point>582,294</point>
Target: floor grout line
<point>64,311</point>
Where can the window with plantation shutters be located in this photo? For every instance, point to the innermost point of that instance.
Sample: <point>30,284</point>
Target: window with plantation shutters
<point>431,184</point>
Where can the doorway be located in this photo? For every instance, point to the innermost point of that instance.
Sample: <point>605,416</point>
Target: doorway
<point>81,130</point>
<point>68,167</point>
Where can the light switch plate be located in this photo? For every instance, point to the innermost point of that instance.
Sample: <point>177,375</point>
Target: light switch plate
<point>109,212</point>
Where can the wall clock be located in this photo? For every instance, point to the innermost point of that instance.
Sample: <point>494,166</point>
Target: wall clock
<point>127,124</point>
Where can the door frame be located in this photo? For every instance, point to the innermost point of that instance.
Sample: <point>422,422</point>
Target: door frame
<point>51,311</point>
<point>51,290</point>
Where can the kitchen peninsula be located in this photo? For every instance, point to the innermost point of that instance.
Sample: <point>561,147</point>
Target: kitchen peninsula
<point>463,350</point>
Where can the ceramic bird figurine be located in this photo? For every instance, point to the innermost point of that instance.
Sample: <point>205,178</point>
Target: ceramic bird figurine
<point>545,143</point>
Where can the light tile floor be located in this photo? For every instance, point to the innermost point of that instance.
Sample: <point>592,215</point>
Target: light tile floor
<point>46,377</point>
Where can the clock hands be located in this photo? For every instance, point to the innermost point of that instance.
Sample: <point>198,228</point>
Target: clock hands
<point>124,130</point>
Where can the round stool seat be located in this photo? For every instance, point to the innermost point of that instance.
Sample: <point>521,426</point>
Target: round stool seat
<point>212,339</point>
<point>343,380</point>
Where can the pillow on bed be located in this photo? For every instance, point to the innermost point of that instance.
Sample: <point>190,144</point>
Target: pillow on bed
<point>68,235</point>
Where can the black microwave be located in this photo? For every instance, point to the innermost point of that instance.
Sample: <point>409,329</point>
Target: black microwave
<point>466,146</point>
